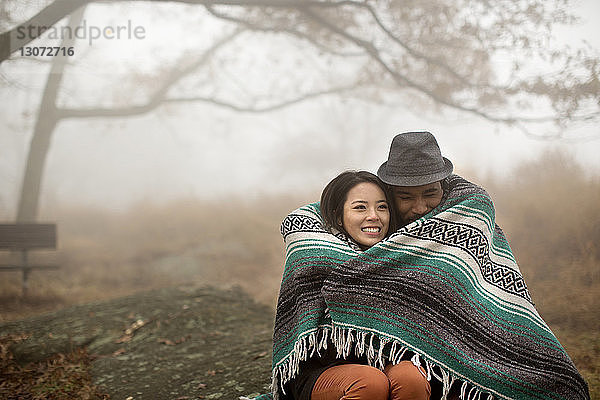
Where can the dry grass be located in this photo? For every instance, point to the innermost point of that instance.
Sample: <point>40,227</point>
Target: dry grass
<point>549,210</point>
<point>62,376</point>
<point>187,242</point>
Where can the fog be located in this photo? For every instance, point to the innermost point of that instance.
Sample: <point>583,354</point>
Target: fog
<point>117,164</point>
<point>168,156</point>
<point>200,150</point>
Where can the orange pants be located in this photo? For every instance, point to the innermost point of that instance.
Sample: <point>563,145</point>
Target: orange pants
<point>402,381</point>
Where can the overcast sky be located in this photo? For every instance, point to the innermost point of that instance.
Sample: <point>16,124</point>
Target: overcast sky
<point>202,151</point>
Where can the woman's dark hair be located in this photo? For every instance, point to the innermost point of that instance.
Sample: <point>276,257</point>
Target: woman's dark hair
<point>336,192</point>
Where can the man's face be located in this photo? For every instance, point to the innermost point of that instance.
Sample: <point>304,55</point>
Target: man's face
<point>412,202</point>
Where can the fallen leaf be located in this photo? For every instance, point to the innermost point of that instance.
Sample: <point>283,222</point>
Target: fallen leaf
<point>181,339</point>
<point>119,352</point>
<point>166,341</point>
<point>17,337</point>
<point>260,355</point>
<point>135,326</point>
<point>201,386</point>
<point>124,339</point>
<point>211,372</point>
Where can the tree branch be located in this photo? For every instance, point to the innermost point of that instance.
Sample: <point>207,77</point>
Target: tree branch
<point>137,110</point>
<point>414,52</point>
<point>19,36</point>
<point>159,95</point>
<point>12,40</point>
<point>294,32</point>
<point>314,10</point>
<point>373,52</point>
<point>267,108</point>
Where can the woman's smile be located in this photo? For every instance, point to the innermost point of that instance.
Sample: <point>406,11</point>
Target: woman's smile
<point>372,230</point>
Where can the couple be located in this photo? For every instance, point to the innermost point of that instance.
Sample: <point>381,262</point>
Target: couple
<point>402,286</point>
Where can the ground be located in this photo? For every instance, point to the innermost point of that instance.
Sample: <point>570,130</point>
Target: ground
<point>173,343</point>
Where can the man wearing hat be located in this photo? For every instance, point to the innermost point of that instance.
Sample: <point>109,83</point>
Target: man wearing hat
<point>461,258</point>
<point>415,170</point>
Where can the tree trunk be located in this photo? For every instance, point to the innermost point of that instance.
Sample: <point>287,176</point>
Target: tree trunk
<point>46,122</point>
<point>36,160</point>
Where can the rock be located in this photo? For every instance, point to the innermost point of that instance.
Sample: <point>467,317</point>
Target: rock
<point>164,344</point>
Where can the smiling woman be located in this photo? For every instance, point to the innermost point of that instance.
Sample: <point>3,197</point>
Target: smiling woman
<point>357,204</point>
<point>355,207</point>
<point>366,215</point>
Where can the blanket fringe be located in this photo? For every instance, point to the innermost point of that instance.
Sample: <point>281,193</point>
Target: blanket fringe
<point>304,348</point>
<point>372,346</point>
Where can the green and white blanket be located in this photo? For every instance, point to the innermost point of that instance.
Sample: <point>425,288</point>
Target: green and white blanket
<point>446,288</point>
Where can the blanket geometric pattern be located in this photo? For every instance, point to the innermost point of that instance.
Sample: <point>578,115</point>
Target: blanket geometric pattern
<point>445,287</point>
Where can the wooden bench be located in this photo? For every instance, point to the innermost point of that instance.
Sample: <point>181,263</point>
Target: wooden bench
<point>22,238</point>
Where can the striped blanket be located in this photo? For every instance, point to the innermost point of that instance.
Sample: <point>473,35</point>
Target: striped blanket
<point>445,288</point>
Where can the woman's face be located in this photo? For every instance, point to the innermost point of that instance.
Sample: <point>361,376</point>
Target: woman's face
<point>366,215</point>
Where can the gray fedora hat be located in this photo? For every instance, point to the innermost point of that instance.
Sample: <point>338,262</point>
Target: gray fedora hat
<point>414,160</point>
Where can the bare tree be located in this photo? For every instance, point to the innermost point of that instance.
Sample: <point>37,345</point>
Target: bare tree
<point>441,52</point>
